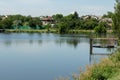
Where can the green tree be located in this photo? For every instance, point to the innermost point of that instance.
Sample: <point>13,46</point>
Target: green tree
<point>108,15</point>
<point>48,26</point>
<point>116,17</point>
<point>101,28</point>
<point>75,15</point>
<point>63,27</point>
<point>6,24</point>
<point>2,25</point>
<point>17,24</point>
<point>57,17</point>
<point>90,24</point>
<point>34,23</point>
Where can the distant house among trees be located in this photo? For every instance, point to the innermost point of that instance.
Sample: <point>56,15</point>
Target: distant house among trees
<point>90,17</point>
<point>3,17</point>
<point>108,22</point>
<point>47,20</point>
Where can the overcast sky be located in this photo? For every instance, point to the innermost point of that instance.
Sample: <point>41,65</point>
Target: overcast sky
<point>50,7</point>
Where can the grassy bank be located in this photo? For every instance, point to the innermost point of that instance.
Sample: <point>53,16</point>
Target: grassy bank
<point>46,31</point>
<point>31,31</point>
<point>50,31</point>
<point>107,69</point>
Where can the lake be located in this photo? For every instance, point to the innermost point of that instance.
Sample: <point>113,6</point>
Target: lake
<point>45,56</point>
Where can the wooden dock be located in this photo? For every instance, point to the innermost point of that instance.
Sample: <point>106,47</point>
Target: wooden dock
<point>104,38</point>
<point>102,43</point>
<point>104,46</point>
<point>110,42</point>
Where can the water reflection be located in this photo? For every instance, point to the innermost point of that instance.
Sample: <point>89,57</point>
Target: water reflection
<point>98,51</point>
<point>7,42</point>
<point>70,40</point>
<point>36,56</point>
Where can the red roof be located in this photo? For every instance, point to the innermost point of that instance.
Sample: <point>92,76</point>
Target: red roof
<point>49,18</point>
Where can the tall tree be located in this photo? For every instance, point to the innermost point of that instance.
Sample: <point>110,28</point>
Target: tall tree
<point>75,15</point>
<point>108,15</point>
<point>57,17</point>
<point>116,17</point>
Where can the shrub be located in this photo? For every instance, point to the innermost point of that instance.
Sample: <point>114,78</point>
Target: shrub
<point>101,28</point>
<point>102,71</point>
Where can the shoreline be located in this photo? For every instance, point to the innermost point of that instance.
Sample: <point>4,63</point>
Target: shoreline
<point>47,31</point>
<point>106,69</point>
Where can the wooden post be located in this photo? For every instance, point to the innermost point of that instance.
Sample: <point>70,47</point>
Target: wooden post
<point>91,45</point>
<point>91,50</point>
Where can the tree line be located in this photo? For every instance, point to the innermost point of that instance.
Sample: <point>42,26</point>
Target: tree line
<point>19,22</point>
<point>62,23</point>
<point>74,22</point>
<point>116,18</point>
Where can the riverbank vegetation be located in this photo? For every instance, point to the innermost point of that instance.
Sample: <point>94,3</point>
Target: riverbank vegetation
<point>107,69</point>
<point>116,18</point>
<point>20,22</point>
<point>58,22</point>
<point>74,22</point>
<point>30,31</point>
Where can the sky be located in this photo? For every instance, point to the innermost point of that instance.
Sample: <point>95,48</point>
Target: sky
<point>51,7</point>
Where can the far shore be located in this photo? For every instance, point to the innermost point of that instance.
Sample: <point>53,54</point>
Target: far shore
<point>48,31</point>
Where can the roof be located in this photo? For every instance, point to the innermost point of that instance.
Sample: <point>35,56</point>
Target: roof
<point>49,18</point>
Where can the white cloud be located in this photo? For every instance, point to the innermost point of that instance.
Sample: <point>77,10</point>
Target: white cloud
<point>48,7</point>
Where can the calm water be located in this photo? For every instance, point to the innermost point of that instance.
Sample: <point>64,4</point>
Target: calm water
<point>44,56</point>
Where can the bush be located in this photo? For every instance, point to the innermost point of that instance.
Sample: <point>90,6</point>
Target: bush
<point>116,57</point>
<point>101,28</point>
<point>102,71</point>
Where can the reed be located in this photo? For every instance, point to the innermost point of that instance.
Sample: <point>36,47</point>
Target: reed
<point>107,69</point>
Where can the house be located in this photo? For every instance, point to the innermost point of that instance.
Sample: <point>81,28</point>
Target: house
<point>108,22</point>
<point>86,17</point>
<point>90,17</point>
<point>47,20</point>
<point>3,17</point>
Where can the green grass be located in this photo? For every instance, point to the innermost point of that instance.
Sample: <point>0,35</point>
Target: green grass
<point>31,31</point>
<point>116,76</point>
<point>50,31</point>
<point>107,69</point>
